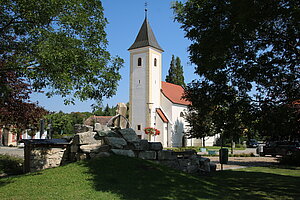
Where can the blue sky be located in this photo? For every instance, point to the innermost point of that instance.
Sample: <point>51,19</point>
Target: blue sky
<point>125,19</point>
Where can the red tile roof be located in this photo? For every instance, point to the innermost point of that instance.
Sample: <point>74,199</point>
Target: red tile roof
<point>97,119</point>
<point>174,93</point>
<point>162,115</point>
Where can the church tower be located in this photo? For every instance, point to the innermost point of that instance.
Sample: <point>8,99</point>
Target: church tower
<point>145,79</point>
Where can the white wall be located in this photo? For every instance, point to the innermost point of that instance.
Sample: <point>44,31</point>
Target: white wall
<point>180,125</point>
<point>138,92</point>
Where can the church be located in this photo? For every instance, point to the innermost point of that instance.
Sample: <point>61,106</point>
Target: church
<point>153,102</point>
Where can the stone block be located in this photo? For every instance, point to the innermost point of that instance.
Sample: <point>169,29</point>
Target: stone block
<point>144,145</point>
<point>129,135</point>
<point>128,153</point>
<point>81,156</point>
<point>100,155</point>
<point>74,148</point>
<point>147,155</point>
<point>89,147</point>
<point>102,148</point>
<point>166,155</point>
<point>205,164</point>
<point>192,169</point>
<point>79,128</point>
<point>115,142</point>
<point>86,138</point>
<point>107,133</point>
<point>183,163</point>
<point>155,146</point>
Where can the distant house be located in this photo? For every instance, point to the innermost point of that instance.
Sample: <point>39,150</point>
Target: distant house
<point>103,120</point>
<point>9,138</point>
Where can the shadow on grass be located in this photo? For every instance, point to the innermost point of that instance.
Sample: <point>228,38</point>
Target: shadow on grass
<point>136,179</point>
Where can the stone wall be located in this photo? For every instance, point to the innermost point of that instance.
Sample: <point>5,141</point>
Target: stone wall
<point>103,143</point>
<point>125,142</point>
<point>40,158</point>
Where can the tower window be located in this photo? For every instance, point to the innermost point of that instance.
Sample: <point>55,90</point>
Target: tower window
<point>155,62</point>
<point>138,127</point>
<point>139,62</point>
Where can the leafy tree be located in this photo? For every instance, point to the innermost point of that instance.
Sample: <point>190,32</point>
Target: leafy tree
<point>98,112</point>
<point>175,73</point>
<point>15,108</point>
<point>249,46</point>
<point>63,123</point>
<point>59,45</point>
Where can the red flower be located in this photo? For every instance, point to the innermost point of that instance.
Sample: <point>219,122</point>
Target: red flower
<point>151,131</point>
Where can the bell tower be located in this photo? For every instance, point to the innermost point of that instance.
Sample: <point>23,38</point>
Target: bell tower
<point>145,79</point>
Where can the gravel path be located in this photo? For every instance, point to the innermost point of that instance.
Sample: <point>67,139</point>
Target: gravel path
<point>242,162</point>
<point>13,151</point>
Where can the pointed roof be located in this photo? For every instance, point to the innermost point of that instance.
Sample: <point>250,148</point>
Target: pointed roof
<point>145,37</point>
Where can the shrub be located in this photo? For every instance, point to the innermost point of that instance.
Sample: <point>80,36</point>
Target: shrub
<point>11,165</point>
<point>293,159</point>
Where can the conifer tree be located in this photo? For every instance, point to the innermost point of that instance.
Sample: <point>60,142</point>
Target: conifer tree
<point>175,73</point>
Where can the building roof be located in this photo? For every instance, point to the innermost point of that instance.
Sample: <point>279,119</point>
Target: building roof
<point>145,38</point>
<point>162,115</point>
<point>174,93</point>
<point>103,120</point>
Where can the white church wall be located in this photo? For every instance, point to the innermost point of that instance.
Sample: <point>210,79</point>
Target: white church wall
<point>138,91</point>
<point>155,78</point>
<point>166,106</point>
<point>179,126</point>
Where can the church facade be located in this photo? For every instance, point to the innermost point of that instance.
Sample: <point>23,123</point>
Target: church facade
<point>153,102</point>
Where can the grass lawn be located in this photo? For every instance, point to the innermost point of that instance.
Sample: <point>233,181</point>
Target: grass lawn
<point>119,177</point>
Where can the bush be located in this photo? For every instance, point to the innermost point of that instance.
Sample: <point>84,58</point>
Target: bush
<point>11,165</point>
<point>293,159</point>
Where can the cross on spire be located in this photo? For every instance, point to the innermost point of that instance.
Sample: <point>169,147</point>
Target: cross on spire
<point>146,8</point>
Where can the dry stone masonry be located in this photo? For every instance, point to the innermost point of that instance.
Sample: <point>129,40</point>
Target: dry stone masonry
<point>90,144</point>
<point>125,142</point>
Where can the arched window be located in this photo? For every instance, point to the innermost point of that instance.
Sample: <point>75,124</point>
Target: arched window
<point>155,62</point>
<point>139,62</point>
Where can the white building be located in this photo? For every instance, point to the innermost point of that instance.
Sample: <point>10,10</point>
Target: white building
<point>154,103</point>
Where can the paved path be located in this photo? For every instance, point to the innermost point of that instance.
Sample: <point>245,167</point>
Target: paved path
<point>13,151</point>
<point>242,162</point>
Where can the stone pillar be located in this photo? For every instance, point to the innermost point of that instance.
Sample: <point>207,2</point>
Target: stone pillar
<point>121,110</point>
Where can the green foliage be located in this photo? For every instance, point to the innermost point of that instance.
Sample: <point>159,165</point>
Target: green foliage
<point>114,178</point>
<point>107,111</point>
<point>63,123</point>
<point>60,45</point>
<point>292,160</point>
<point>11,165</point>
<point>175,73</point>
<point>247,57</point>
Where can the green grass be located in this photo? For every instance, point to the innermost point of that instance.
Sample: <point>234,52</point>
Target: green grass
<point>119,177</point>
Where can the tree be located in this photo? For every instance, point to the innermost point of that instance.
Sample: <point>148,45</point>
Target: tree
<point>59,45</point>
<point>64,123</point>
<point>15,108</point>
<point>250,46</point>
<point>175,73</point>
